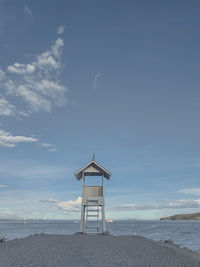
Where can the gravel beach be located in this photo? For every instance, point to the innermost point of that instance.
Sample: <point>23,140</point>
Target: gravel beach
<point>83,250</point>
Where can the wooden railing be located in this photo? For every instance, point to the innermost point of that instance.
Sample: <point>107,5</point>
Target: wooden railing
<point>92,191</point>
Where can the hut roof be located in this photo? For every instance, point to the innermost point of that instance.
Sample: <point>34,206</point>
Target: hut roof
<point>92,168</point>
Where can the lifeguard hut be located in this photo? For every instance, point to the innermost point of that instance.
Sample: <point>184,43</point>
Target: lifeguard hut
<point>92,198</point>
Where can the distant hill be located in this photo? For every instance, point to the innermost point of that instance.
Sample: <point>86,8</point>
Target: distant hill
<point>194,216</point>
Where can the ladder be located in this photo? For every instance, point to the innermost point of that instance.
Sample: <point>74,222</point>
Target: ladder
<point>92,217</point>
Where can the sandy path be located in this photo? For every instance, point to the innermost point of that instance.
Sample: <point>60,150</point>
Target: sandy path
<point>95,251</point>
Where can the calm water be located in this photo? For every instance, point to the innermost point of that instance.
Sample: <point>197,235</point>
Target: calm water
<point>183,233</point>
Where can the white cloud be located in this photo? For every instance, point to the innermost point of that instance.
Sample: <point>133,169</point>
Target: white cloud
<point>3,186</point>
<point>191,191</point>
<point>35,84</point>
<point>178,204</point>
<point>45,62</point>
<point>70,206</point>
<point>49,147</point>
<point>21,68</point>
<point>9,140</point>
<point>51,59</point>
<point>46,145</point>
<point>61,29</point>
<point>6,108</point>
<point>96,78</point>
<point>53,149</point>
<point>36,101</point>
<point>6,212</point>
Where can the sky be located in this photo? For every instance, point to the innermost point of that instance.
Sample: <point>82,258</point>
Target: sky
<point>116,78</point>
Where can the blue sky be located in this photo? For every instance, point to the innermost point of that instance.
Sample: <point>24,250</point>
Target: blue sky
<point>116,78</point>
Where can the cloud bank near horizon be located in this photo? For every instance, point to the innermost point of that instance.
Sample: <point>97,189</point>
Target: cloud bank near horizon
<point>178,204</point>
<point>190,191</point>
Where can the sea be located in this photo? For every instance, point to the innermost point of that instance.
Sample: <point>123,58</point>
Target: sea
<point>183,233</point>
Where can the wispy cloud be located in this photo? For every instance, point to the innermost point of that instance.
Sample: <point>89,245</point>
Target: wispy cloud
<point>49,147</point>
<point>3,186</point>
<point>6,109</point>
<point>191,191</point>
<point>61,29</point>
<point>179,204</point>
<point>115,28</point>
<point>70,206</point>
<point>32,87</point>
<point>27,10</point>
<point>96,79</point>
<point>36,85</point>
<point>9,140</point>
<point>50,200</point>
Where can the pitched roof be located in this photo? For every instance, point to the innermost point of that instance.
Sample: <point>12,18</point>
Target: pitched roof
<point>92,168</point>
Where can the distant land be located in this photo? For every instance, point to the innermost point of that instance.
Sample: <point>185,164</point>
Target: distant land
<point>194,216</point>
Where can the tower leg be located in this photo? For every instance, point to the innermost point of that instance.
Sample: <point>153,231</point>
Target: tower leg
<point>103,219</point>
<point>82,218</point>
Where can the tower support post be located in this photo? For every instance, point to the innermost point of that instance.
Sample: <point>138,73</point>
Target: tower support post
<point>103,219</point>
<point>82,219</point>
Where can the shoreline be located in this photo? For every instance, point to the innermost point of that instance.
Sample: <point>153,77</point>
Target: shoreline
<point>86,250</point>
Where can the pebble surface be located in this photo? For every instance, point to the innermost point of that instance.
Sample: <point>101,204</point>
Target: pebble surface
<point>94,251</point>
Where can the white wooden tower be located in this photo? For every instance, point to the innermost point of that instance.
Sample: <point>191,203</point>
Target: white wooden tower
<point>92,208</point>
